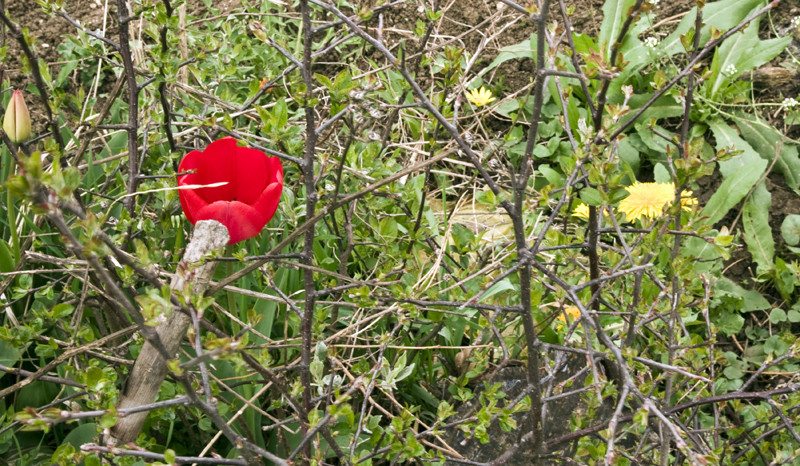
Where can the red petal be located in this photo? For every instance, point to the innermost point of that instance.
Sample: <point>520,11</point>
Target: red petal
<point>189,163</point>
<point>248,200</point>
<point>241,220</point>
<point>267,203</point>
<point>215,165</point>
<point>275,170</point>
<point>250,175</point>
<point>191,202</point>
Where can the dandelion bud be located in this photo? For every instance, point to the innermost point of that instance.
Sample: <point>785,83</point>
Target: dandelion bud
<point>17,122</point>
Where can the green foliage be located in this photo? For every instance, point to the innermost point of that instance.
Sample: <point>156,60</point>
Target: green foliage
<point>392,322</point>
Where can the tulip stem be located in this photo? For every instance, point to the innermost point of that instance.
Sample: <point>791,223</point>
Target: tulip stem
<point>229,293</point>
<point>12,224</point>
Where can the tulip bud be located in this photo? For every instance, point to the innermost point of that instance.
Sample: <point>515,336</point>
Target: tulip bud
<point>17,122</point>
<point>258,30</point>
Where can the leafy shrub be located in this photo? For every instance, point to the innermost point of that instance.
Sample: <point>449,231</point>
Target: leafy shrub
<point>437,229</point>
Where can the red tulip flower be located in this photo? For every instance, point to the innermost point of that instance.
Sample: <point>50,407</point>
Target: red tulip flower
<point>249,197</point>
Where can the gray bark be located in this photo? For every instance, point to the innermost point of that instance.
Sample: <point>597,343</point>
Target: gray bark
<point>150,368</point>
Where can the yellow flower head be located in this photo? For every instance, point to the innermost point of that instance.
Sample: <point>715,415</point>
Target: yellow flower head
<point>648,200</point>
<point>582,211</point>
<point>572,311</point>
<point>480,97</point>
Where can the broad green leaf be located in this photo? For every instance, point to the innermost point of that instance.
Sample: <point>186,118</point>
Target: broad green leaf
<point>591,196</point>
<point>727,137</point>
<point>741,52</point>
<point>664,107</point>
<point>730,193</point>
<point>503,285</point>
<point>62,310</point>
<point>785,278</point>
<point>754,301</point>
<point>507,107</point>
<point>661,174</point>
<point>117,144</point>
<point>9,354</point>
<point>7,263</point>
<point>790,229</point>
<point>584,43</point>
<point>615,12</point>
<point>777,315</point>
<point>747,300</point>
<point>629,154</point>
<point>733,372</point>
<point>524,49</point>
<point>706,255</point>
<point>775,345</point>
<point>552,176</point>
<point>739,174</point>
<point>635,54</point>
<point>653,141</point>
<point>757,232</point>
<point>768,141</point>
<point>80,435</point>
<point>722,15</point>
<point>729,323</point>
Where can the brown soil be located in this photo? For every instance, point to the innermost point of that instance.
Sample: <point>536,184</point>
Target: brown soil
<point>48,33</point>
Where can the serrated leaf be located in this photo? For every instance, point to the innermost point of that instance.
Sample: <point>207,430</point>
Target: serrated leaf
<point>769,143</point>
<point>615,12</point>
<point>742,52</point>
<point>757,232</point>
<point>740,173</point>
<point>723,15</point>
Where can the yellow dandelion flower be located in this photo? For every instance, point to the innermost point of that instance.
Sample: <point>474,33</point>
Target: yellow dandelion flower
<point>480,97</point>
<point>648,200</point>
<point>687,201</point>
<point>572,311</point>
<point>582,211</point>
